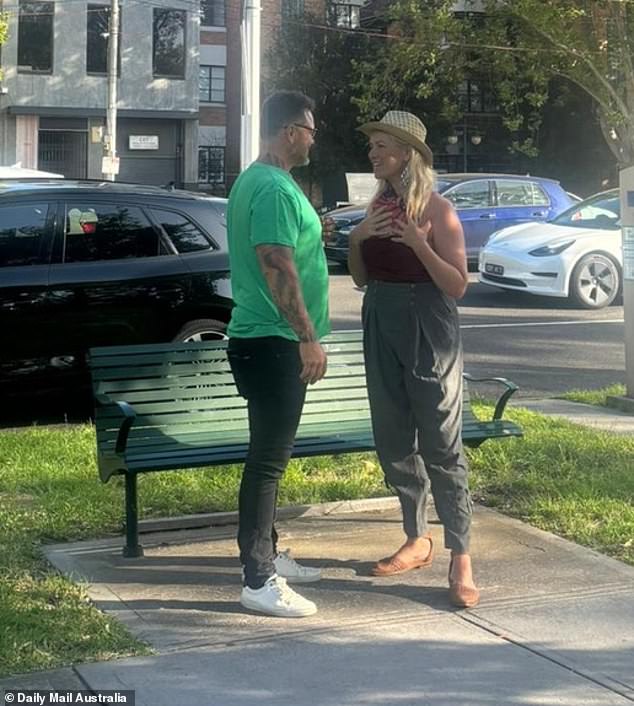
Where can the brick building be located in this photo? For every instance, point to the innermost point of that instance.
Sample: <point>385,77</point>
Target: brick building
<point>221,74</point>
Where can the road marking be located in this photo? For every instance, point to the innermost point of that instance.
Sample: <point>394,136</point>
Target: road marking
<point>545,323</point>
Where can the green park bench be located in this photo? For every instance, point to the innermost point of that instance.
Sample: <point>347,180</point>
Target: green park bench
<point>162,407</point>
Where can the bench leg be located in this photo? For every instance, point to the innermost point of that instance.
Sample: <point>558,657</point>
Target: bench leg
<point>132,547</point>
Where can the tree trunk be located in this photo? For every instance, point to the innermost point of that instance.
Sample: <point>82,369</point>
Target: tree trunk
<point>620,140</point>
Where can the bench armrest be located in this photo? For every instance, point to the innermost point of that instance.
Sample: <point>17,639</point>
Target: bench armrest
<point>128,416</point>
<point>511,388</point>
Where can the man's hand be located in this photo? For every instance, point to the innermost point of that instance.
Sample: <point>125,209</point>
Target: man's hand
<point>328,227</point>
<point>314,361</point>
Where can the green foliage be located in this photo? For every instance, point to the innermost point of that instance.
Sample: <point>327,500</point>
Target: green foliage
<point>517,47</point>
<point>597,397</point>
<point>321,63</point>
<point>4,27</point>
<point>588,43</point>
<point>4,32</point>
<point>432,51</point>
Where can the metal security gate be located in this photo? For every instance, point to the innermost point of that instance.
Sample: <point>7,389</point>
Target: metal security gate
<point>64,152</point>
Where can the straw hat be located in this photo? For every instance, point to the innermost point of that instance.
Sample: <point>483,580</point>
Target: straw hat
<point>405,127</point>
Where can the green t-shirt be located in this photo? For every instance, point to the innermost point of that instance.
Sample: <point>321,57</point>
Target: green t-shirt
<point>267,207</point>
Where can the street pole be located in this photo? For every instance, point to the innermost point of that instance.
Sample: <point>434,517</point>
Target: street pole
<point>626,185</point>
<point>110,166</point>
<point>250,34</point>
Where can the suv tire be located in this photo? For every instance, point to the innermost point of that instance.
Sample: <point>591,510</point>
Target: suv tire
<point>201,330</point>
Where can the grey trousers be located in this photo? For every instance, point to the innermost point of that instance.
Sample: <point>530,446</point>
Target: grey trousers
<point>413,357</point>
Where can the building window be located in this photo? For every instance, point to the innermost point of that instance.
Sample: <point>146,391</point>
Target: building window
<point>292,9</point>
<point>344,15</point>
<point>169,43</point>
<point>35,37</point>
<point>211,84</point>
<point>211,165</point>
<point>97,30</point>
<point>476,98</point>
<point>212,13</point>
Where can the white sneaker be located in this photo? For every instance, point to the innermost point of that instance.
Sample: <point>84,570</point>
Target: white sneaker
<point>277,598</point>
<point>293,572</point>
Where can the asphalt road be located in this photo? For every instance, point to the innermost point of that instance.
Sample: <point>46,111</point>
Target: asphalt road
<point>544,345</point>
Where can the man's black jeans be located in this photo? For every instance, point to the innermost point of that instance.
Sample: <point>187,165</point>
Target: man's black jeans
<point>266,371</point>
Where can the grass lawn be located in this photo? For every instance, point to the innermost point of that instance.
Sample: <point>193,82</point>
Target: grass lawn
<point>598,397</point>
<point>576,482</point>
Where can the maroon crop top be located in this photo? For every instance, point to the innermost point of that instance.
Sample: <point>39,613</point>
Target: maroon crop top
<point>388,261</point>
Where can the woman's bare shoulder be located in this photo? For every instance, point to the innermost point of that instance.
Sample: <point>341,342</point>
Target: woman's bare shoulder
<point>439,204</point>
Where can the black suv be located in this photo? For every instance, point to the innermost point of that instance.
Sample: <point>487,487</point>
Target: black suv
<point>99,263</point>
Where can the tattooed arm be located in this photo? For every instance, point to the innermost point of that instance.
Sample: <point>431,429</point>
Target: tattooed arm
<point>278,267</point>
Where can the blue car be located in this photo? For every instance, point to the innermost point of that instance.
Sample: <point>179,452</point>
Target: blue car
<point>485,203</point>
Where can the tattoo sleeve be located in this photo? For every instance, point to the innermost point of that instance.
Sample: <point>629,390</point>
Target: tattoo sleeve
<point>278,267</point>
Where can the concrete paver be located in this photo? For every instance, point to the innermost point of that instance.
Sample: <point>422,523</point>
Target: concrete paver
<point>556,623</point>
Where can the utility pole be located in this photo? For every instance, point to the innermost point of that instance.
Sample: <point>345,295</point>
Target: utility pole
<point>250,35</point>
<point>110,166</point>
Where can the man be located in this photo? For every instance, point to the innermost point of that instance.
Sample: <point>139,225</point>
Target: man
<point>280,287</point>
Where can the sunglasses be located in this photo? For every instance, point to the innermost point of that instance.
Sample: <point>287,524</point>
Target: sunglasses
<point>313,130</point>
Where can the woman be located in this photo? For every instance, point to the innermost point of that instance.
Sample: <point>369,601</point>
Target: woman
<point>410,252</point>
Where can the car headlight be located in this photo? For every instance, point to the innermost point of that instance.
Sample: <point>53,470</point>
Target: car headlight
<point>551,249</point>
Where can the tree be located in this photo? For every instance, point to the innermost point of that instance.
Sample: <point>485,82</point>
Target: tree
<point>588,42</point>
<point>521,45</point>
<point>319,60</point>
<point>430,52</point>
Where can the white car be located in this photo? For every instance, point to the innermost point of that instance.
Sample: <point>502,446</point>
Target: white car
<point>578,254</point>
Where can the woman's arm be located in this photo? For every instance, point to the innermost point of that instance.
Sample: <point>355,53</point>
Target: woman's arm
<point>446,260</point>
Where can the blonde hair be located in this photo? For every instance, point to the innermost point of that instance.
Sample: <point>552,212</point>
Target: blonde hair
<point>419,187</point>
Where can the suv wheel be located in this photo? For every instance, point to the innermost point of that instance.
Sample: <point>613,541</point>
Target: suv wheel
<point>202,330</point>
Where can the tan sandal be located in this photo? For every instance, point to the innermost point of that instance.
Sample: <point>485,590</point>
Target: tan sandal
<point>391,565</point>
<point>462,596</point>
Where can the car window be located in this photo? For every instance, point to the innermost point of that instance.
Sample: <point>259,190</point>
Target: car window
<point>186,236</point>
<point>514,192</point>
<point>105,231</point>
<point>471,194</point>
<point>23,235</point>
<point>602,211</point>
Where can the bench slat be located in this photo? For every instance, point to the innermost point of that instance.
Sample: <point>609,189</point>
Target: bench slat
<point>337,339</point>
<point>188,407</point>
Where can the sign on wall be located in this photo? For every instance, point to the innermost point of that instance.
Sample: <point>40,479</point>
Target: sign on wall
<point>143,142</point>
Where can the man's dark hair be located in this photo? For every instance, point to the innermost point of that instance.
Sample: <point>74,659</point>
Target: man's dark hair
<point>283,108</point>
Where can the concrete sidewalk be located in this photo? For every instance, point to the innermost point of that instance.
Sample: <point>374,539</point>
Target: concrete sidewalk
<point>555,626</point>
<point>593,416</point>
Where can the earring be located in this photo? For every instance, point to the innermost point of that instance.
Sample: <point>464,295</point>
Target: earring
<point>406,176</point>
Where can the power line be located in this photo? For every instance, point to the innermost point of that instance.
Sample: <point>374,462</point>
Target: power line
<point>407,40</point>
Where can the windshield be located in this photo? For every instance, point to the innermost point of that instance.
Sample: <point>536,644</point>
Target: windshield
<point>442,184</point>
<point>603,211</point>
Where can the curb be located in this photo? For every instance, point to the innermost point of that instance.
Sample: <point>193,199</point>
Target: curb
<point>219,519</point>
